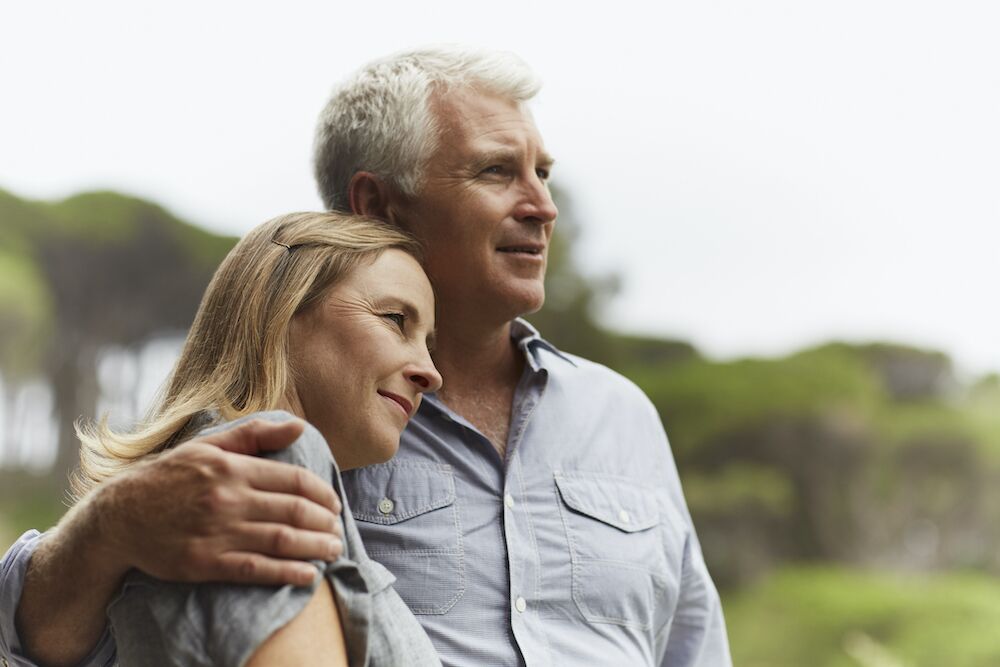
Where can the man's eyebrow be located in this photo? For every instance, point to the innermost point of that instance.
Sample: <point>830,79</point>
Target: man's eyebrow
<point>503,155</point>
<point>487,158</point>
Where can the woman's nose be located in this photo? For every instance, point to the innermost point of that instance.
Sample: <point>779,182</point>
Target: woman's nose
<point>424,376</point>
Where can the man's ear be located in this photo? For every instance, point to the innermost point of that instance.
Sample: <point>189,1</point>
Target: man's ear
<point>369,195</point>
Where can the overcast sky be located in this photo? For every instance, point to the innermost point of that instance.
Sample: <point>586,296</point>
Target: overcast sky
<point>764,175</point>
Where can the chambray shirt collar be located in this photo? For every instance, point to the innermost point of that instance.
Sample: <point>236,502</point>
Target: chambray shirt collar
<point>538,353</point>
<point>531,343</point>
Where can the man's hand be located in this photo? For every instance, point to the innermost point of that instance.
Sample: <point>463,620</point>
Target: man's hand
<point>206,510</point>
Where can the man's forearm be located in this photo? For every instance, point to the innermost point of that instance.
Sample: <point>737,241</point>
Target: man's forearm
<point>207,510</point>
<point>69,583</point>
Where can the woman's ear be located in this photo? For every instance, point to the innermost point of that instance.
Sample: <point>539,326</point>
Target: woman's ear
<point>369,195</point>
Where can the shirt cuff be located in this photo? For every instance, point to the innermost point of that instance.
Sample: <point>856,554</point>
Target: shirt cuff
<point>13,569</point>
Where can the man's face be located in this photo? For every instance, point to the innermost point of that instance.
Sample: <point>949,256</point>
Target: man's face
<point>484,211</point>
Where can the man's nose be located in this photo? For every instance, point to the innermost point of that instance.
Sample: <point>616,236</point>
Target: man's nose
<point>536,205</point>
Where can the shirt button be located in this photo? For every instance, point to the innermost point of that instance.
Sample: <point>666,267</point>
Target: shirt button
<point>623,515</point>
<point>385,506</point>
<point>520,604</point>
<point>508,500</point>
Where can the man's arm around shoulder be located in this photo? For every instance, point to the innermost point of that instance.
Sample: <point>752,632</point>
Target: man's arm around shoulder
<point>204,511</point>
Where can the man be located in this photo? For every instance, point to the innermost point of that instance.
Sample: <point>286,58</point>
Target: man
<point>533,514</point>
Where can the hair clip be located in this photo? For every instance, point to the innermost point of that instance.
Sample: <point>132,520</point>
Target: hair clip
<point>283,245</point>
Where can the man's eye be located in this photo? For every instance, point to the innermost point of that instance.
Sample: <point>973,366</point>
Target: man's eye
<point>495,169</point>
<point>398,318</point>
<point>543,174</point>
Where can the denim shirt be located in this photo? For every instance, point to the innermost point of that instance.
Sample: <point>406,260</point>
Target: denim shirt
<point>577,548</point>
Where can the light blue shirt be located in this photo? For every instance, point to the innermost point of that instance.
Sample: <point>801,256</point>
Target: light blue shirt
<point>576,549</point>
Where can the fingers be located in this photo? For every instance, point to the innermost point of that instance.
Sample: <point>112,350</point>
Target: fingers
<point>281,541</point>
<point>290,479</point>
<point>248,568</point>
<point>256,436</point>
<point>294,511</point>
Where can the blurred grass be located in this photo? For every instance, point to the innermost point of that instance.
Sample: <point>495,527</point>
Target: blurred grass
<point>27,501</point>
<point>803,616</point>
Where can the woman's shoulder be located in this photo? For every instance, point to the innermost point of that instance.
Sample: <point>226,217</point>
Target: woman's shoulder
<point>310,450</point>
<point>211,422</point>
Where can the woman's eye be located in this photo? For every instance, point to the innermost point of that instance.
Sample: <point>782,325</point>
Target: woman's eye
<point>543,174</point>
<point>398,318</point>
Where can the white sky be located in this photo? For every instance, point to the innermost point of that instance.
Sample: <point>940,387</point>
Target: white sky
<point>764,175</point>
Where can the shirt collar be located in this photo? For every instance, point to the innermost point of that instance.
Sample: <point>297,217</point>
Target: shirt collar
<point>529,341</point>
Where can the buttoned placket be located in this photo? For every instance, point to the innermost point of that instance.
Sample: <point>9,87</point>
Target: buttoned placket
<point>522,554</point>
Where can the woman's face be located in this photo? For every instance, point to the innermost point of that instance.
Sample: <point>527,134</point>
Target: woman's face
<point>360,359</point>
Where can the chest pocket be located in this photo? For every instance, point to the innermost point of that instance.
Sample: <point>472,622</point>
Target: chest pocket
<point>408,519</point>
<point>625,551</point>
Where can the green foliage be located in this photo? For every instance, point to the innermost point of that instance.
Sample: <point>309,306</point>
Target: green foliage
<point>103,217</point>
<point>756,487</point>
<point>702,399</point>
<point>831,617</point>
<point>25,312</point>
<point>28,501</point>
<point>96,217</point>
<point>49,285</point>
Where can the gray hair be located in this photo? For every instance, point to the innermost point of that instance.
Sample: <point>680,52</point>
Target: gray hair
<point>381,120</point>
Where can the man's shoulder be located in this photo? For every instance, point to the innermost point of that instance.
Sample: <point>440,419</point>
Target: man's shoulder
<point>598,377</point>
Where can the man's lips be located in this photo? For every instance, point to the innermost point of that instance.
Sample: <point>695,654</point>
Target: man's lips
<point>523,248</point>
<point>404,404</point>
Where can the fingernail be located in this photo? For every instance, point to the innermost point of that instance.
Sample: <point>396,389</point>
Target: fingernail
<point>307,575</point>
<point>335,549</point>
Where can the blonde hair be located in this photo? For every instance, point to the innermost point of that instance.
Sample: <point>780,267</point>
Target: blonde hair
<point>235,358</point>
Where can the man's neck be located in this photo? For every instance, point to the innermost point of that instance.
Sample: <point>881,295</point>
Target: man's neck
<point>469,359</point>
<point>480,372</point>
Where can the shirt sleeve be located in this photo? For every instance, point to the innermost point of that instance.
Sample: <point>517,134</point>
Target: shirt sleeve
<point>164,623</point>
<point>13,569</point>
<point>697,635</point>
<point>697,632</point>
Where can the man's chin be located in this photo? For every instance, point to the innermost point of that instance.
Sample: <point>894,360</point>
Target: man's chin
<point>529,302</point>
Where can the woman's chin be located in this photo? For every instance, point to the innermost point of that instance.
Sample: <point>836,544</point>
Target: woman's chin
<point>382,450</point>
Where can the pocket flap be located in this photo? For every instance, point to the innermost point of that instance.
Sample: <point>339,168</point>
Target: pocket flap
<point>392,492</point>
<point>615,501</point>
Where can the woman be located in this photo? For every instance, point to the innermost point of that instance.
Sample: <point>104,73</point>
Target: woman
<point>320,316</point>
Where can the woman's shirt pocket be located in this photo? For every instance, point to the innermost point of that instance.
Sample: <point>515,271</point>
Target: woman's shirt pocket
<point>626,548</point>
<point>409,521</point>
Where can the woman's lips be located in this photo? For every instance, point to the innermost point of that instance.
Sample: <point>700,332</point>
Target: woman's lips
<point>403,404</point>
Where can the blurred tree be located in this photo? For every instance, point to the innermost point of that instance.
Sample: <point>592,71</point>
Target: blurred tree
<point>97,269</point>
